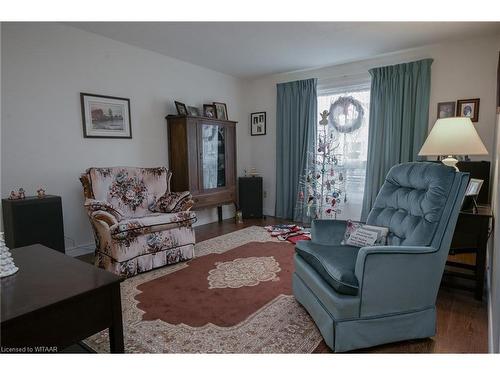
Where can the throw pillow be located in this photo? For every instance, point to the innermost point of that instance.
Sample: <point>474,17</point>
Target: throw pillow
<point>359,234</point>
<point>172,202</point>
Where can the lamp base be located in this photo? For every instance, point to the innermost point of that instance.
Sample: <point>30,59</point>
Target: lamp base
<point>450,161</point>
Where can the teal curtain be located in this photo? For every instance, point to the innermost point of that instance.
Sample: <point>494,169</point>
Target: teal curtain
<point>399,114</point>
<point>296,138</point>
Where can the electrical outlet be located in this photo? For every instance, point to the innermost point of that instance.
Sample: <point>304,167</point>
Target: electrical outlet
<point>265,194</point>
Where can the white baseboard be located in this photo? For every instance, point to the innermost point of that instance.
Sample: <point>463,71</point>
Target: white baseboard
<point>76,251</point>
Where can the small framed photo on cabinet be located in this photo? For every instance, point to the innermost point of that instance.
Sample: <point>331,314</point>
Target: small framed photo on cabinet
<point>258,123</point>
<point>221,111</point>
<point>181,108</point>
<point>209,111</point>
<point>193,111</point>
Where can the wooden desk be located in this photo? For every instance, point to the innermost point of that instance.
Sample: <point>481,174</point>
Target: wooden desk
<point>54,301</point>
<point>471,236</point>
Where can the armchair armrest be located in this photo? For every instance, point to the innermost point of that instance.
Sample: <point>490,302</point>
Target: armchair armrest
<point>109,219</point>
<point>328,232</point>
<point>171,202</point>
<point>397,278</point>
<point>93,205</point>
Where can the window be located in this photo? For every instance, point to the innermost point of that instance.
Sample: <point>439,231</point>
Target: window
<point>348,119</point>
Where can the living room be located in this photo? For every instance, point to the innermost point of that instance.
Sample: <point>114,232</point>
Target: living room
<point>201,187</point>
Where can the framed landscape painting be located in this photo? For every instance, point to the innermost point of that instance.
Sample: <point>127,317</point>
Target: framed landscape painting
<point>105,116</point>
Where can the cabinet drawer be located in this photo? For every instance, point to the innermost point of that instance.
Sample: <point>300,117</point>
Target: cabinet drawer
<point>214,199</point>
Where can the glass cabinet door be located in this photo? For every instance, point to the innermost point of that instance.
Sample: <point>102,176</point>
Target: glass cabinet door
<point>213,156</point>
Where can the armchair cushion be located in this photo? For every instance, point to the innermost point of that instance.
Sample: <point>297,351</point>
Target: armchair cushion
<point>411,202</point>
<point>172,202</point>
<point>335,263</point>
<point>132,190</point>
<point>132,227</point>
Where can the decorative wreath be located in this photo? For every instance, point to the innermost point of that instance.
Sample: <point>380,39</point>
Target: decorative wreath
<point>351,109</point>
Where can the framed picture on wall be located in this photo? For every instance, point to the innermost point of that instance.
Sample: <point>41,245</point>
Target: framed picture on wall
<point>105,116</point>
<point>258,123</point>
<point>446,109</point>
<point>468,108</point>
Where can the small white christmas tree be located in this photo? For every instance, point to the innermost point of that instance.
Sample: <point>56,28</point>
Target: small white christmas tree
<point>322,186</point>
<point>7,266</point>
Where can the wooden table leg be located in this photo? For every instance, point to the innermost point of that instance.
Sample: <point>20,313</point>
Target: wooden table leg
<point>219,213</point>
<point>116,344</point>
<point>481,263</point>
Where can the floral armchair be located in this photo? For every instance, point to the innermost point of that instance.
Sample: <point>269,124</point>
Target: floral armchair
<point>138,223</point>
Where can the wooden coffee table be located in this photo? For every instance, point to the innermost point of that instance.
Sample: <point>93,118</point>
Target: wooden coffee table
<point>54,301</point>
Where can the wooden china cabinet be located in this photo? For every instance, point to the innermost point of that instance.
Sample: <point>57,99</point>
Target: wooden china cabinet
<point>202,158</point>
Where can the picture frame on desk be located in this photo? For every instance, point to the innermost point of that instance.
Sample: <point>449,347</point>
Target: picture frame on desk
<point>474,187</point>
<point>471,195</point>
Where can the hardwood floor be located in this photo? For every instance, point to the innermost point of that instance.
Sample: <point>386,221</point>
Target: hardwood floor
<point>462,322</point>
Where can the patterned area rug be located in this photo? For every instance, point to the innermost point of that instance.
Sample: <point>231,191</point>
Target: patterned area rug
<point>234,297</point>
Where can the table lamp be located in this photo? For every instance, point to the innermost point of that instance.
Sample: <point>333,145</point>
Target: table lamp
<point>453,136</point>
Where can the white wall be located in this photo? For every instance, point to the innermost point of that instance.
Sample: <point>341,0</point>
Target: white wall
<point>494,256</point>
<point>461,70</point>
<point>44,68</point>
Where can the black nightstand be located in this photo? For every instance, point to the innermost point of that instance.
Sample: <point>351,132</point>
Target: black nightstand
<point>34,220</point>
<point>471,236</point>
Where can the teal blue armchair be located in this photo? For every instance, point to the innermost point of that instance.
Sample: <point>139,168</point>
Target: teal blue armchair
<point>362,297</point>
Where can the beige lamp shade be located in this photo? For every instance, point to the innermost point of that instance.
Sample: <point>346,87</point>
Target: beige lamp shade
<point>453,136</point>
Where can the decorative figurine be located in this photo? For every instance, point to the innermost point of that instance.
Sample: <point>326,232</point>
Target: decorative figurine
<point>13,195</point>
<point>324,117</point>
<point>238,217</point>
<point>21,193</point>
<point>7,266</point>
<point>40,192</point>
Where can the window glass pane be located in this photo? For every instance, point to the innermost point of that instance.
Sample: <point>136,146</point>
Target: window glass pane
<point>351,146</point>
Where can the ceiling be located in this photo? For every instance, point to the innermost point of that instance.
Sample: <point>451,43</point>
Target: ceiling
<point>253,49</point>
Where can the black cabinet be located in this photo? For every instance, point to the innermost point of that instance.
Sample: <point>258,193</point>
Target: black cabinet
<point>250,196</point>
<point>34,220</point>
